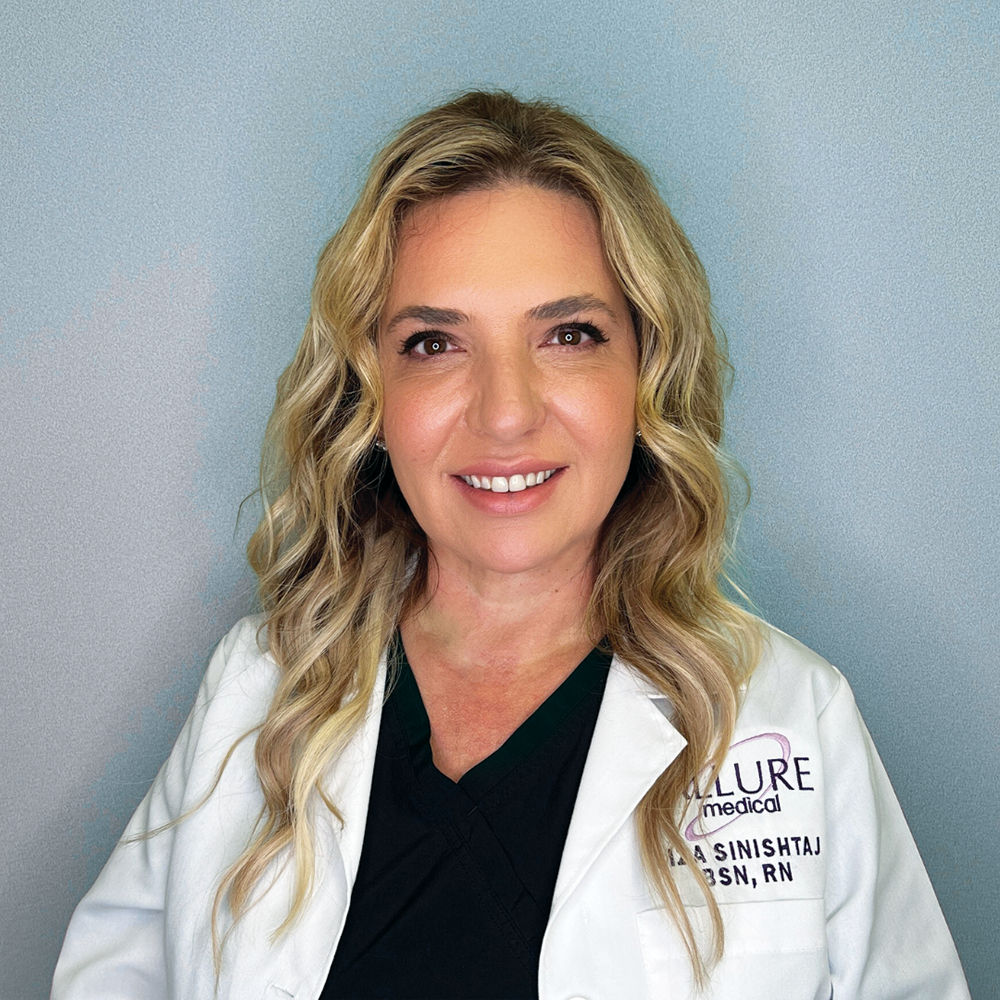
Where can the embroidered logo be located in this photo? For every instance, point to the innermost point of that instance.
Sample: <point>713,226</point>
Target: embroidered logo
<point>757,771</point>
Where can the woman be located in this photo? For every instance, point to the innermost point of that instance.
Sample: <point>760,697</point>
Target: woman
<point>499,733</point>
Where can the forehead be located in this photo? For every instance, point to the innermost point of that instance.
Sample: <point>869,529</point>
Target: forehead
<point>519,238</point>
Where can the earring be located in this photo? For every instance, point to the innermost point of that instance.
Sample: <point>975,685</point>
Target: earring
<point>380,444</point>
<point>638,434</point>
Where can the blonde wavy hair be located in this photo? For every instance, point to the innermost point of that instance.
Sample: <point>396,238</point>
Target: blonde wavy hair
<point>336,549</point>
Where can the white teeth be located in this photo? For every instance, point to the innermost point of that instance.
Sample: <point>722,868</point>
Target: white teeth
<point>503,484</point>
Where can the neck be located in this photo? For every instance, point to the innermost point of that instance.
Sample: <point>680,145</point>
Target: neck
<point>502,628</point>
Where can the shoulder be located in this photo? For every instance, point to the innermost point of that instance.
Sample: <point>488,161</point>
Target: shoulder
<point>790,681</point>
<point>242,655</point>
<point>238,685</point>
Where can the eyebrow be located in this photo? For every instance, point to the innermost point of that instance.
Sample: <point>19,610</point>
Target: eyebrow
<point>557,309</point>
<point>561,308</point>
<point>428,315</point>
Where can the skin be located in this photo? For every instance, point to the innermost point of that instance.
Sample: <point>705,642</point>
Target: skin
<point>507,379</point>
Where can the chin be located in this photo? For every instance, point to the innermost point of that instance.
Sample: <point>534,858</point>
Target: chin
<point>512,562</point>
<point>521,554</point>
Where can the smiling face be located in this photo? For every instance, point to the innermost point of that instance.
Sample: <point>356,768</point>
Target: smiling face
<point>507,350</point>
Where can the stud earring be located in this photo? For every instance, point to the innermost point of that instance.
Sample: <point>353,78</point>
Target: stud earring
<point>380,444</point>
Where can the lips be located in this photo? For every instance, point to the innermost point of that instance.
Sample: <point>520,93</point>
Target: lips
<point>508,484</point>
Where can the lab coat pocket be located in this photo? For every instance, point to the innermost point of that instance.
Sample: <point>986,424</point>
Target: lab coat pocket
<point>773,948</point>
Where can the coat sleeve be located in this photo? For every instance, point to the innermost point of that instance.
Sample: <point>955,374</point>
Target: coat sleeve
<point>114,947</point>
<point>886,935</point>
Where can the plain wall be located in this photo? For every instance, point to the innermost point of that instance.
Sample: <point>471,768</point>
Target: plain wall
<point>169,173</point>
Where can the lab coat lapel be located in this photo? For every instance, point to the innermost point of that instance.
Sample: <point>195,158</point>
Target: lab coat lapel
<point>293,965</point>
<point>633,743</point>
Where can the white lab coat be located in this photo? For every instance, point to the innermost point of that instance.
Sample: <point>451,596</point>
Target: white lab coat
<point>820,884</point>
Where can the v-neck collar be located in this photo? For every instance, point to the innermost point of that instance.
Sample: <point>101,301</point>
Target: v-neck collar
<point>632,743</point>
<point>588,676</point>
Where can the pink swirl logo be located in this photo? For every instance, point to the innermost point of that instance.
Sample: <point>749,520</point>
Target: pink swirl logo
<point>691,832</point>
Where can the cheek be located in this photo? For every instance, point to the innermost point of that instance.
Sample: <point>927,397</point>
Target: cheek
<point>417,421</point>
<point>604,418</point>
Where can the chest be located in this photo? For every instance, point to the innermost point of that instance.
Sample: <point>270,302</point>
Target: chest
<point>761,839</point>
<point>470,720</point>
<point>610,938</point>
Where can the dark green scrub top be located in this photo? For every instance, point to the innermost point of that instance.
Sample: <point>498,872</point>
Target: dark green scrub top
<point>456,879</point>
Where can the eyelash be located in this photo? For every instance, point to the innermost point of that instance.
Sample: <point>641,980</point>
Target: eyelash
<point>422,336</point>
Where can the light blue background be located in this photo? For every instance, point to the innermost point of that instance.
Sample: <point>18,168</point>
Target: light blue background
<point>169,173</point>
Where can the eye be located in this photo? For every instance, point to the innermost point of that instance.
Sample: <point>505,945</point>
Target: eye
<point>577,334</point>
<point>426,345</point>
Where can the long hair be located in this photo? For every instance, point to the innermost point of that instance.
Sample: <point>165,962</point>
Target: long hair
<point>341,560</point>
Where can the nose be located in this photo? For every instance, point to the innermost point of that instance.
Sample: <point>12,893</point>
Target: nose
<point>508,401</point>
